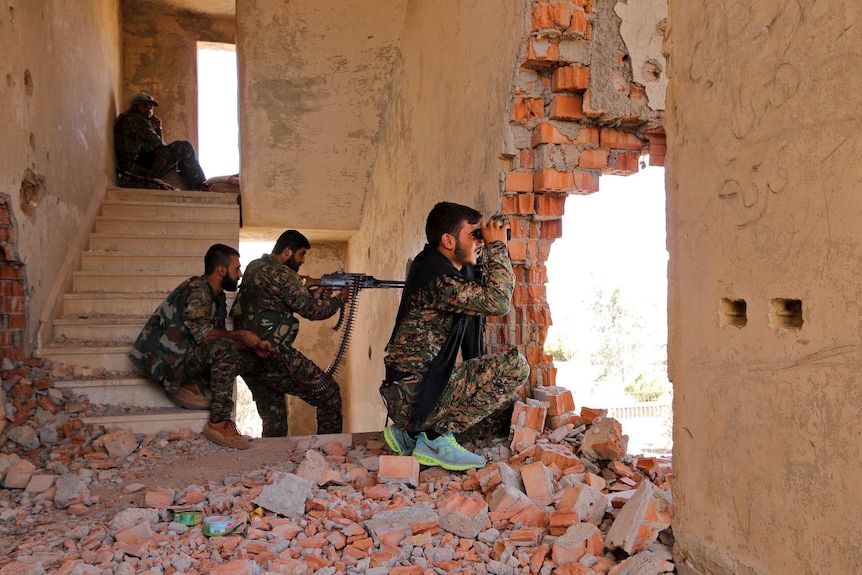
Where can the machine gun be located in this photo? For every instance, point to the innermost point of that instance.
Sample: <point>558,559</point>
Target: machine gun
<point>356,282</point>
<point>340,280</point>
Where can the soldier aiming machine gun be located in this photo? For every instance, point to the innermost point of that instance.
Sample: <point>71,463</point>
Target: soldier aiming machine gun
<point>356,282</point>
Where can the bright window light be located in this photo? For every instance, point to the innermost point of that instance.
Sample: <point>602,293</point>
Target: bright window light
<point>218,109</point>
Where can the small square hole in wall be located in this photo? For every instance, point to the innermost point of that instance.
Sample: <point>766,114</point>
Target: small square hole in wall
<point>733,312</point>
<point>786,313</point>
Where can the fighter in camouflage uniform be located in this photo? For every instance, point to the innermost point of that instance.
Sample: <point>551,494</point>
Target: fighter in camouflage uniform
<point>185,347</point>
<point>271,293</point>
<point>141,151</point>
<point>430,398</point>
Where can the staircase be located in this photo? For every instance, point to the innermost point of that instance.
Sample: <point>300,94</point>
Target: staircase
<point>144,243</point>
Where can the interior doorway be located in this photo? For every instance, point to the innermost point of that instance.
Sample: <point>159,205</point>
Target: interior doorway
<point>218,109</point>
<point>607,291</point>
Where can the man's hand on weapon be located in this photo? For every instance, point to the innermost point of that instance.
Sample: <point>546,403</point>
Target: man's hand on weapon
<point>250,341</point>
<point>324,292</point>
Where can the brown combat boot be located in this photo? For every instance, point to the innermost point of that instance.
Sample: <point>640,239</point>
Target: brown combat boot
<point>189,396</point>
<point>226,434</point>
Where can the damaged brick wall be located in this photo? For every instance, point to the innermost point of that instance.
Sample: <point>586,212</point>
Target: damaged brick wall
<point>13,289</point>
<point>576,114</point>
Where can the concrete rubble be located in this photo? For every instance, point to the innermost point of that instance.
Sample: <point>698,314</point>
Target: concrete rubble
<point>554,499</point>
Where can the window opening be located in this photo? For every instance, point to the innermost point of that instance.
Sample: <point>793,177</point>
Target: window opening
<point>218,109</point>
<point>607,289</point>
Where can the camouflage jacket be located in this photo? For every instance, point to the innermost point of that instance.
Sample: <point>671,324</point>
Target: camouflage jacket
<point>135,140</point>
<point>431,312</point>
<point>269,295</point>
<point>183,320</point>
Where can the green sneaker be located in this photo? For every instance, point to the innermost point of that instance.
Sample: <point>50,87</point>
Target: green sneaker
<point>445,452</point>
<point>399,440</point>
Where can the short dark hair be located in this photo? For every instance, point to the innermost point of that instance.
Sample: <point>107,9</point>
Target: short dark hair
<point>218,255</point>
<point>446,218</point>
<point>291,239</point>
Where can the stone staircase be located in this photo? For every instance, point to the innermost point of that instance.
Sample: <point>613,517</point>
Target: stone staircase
<point>144,243</point>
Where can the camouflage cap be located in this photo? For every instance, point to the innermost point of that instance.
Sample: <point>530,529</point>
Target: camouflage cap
<point>144,98</point>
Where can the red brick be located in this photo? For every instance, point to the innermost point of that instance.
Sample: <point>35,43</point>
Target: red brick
<point>572,78</point>
<point>581,24</point>
<point>519,181</point>
<point>657,147</point>
<point>559,399</point>
<point>523,438</point>
<point>552,229</point>
<point>398,469</point>
<point>545,133</point>
<point>594,158</point>
<point>542,51</point>
<point>531,516</point>
<point>551,205</point>
<point>550,180</point>
<point>566,107</point>
<point>530,415</point>
<point>558,455</point>
<point>562,15</point>
<point>524,109</point>
<point>542,17</point>
<point>11,271</point>
<point>586,180</point>
<point>624,163</point>
<point>518,251</point>
<point>613,138</point>
<point>527,159</point>
<point>562,520</point>
<point>538,483</point>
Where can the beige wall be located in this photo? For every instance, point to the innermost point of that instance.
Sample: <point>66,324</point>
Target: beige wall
<point>314,81</point>
<point>160,57</point>
<point>764,203</point>
<point>60,96</point>
<point>441,140</point>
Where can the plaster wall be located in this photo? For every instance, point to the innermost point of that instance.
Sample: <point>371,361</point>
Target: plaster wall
<point>763,205</point>
<point>441,139</point>
<point>60,96</point>
<point>160,58</point>
<point>314,80</point>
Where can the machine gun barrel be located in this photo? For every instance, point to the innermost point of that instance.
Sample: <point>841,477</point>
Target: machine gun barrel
<point>336,281</point>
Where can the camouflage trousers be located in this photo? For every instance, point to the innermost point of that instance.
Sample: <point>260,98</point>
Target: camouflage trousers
<point>269,379</point>
<point>478,399</point>
<point>176,155</point>
<point>213,364</point>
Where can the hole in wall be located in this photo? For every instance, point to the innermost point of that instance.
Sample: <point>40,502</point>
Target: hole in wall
<point>733,312</point>
<point>786,313</point>
<point>607,290</point>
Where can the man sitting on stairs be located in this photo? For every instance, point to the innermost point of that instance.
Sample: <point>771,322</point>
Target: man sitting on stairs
<point>184,345</point>
<point>143,157</point>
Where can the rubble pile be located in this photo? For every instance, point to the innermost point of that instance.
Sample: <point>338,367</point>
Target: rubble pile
<point>560,495</point>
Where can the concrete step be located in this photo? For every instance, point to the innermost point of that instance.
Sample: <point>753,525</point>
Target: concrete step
<point>172,211</point>
<point>157,227</point>
<point>89,357</point>
<point>128,282</point>
<point>176,196</point>
<point>188,264</point>
<point>180,245</point>
<point>135,391</point>
<point>110,328</point>
<point>155,420</point>
<point>93,305</point>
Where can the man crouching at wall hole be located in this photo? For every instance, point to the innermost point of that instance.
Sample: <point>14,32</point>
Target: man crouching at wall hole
<point>429,398</point>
